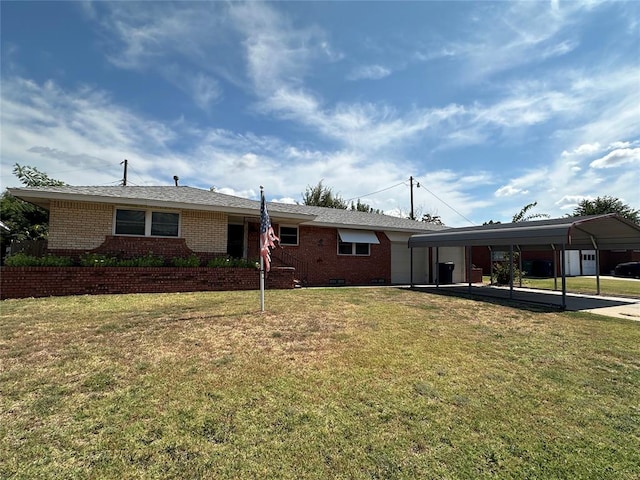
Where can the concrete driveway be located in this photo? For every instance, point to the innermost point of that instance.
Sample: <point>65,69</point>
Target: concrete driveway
<point>617,307</point>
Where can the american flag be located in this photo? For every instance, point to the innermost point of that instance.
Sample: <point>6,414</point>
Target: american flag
<point>267,236</point>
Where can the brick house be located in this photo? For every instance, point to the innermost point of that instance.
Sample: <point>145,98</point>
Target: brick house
<point>326,246</point>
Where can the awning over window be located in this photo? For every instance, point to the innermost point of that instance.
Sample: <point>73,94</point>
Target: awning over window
<point>358,236</point>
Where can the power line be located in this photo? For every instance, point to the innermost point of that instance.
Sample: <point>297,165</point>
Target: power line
<point>373,193</point>
<point>422,185</point>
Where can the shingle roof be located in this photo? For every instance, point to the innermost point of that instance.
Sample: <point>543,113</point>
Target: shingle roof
<point>195,198</point>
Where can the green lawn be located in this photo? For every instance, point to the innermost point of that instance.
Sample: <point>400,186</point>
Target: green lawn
<point>328,383</point>
<point>586,285</point>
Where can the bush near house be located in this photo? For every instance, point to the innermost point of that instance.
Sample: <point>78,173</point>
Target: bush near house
<point>102,260</point>
<point>24,260</point>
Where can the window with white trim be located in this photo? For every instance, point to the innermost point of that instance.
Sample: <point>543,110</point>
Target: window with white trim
<point>353,248</point>
<point>146,223</point>
<point>288,235</point>
<point>356,242</point>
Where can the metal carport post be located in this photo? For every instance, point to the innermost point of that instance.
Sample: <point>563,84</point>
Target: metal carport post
<point>469,264</point>
<point>564,278</point>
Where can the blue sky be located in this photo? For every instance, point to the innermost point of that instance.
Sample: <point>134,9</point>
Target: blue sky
<point>490,106</point>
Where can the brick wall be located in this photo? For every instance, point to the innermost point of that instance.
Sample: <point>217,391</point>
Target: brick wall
<point>318,247</point>
<point>205,231</point>
<point>85,226</point>
<point>24,282</point>
<point>79,225</point>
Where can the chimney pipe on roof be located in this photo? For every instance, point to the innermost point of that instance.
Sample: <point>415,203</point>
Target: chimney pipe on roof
<point>175,179</point>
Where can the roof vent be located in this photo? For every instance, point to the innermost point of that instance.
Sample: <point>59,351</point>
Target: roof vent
<point>175,179</point>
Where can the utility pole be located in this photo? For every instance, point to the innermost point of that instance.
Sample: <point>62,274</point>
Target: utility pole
<point>412,216</point>
<point>124,178</point>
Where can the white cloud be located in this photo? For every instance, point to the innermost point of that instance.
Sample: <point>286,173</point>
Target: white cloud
<point>616,158</point>
<point>569,202</point>
<point>81,133</point>
<point>522,33</point>
<point>585,149</point>
<point>369,72</point>
<point>509,190</point>
<point>616,145</point>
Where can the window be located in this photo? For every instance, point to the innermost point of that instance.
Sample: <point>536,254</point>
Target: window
<point>288,235</point>
<point>356,242</point>
<point>349,248</point>
<point>164,224</point>
<point>146,223</point>
<point>130,222</point>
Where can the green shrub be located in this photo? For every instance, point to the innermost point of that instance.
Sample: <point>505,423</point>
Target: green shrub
<point>231,262</point>
<point>97,260</point>
<point>502,274</point>
<point>102,260</point>
<point>190,261</point>
<point>20,260</point>
<point>149,260</point>
<point>24,260</point>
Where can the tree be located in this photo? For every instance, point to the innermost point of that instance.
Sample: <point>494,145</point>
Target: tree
<point>433,219</point>
<point>523,216</point>
<point>364,207</point>
<point>25,220</point>
<point>604,205</point>
<point>501,270</point>
<point>321,196</point>
<point>32,177</point>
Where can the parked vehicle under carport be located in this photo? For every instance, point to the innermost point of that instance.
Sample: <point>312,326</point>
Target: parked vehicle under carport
<point>628,269</point>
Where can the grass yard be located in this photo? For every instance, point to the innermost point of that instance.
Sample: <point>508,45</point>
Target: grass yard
<point>608,286</point>
<point>330,383</point>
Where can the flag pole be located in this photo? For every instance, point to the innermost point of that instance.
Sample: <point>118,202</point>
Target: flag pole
<point>261,259</point>
<point>261,284</point>
<point>267,239</point>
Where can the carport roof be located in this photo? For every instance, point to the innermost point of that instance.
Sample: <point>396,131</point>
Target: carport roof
<point>604,232</point>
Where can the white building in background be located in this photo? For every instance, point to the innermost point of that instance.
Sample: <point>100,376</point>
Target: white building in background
<point>580,262</point>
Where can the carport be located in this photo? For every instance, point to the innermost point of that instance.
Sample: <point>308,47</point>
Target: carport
<point>595,232</point>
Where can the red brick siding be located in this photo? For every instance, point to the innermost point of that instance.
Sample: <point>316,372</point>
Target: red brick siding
<point>23,282</point>
<point>318,247</point>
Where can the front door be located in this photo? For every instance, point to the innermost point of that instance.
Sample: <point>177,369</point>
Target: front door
<point>235,240</point>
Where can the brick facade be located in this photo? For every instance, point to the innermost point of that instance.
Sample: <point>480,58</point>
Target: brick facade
<point>204,231</point>
<point>24,282</point>
<point>318,248</point>
<point>80,227</point>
